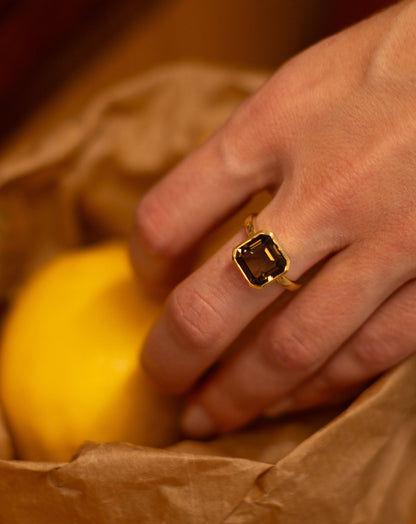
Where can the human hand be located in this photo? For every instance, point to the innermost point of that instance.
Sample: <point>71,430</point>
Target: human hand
<point>332,136</point>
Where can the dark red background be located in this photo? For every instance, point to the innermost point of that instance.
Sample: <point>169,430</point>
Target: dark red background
<point>33,33</point>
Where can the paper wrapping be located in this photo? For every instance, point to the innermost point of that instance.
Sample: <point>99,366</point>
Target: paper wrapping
<point>80,185</point>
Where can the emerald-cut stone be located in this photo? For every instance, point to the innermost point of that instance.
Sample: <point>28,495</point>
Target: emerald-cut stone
<point>260,259</point>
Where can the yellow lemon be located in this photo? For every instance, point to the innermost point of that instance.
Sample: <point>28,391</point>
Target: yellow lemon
<point>69,369</point>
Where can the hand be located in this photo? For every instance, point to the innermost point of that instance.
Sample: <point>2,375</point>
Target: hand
<point>332,136</point>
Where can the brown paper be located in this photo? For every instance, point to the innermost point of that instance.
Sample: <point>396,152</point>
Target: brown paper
<point>81,185</point>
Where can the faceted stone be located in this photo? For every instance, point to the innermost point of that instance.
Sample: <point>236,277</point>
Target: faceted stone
<point>260,259</point>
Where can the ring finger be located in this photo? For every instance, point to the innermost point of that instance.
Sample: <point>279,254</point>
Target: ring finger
<point>206,312</point>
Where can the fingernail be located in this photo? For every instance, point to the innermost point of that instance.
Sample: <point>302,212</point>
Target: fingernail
<point>279,408</point>
<point>197,423</point>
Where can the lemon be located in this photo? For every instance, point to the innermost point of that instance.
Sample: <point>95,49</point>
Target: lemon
<point>69,369</point>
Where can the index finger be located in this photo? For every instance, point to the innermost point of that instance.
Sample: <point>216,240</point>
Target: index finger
<point>206,187</point>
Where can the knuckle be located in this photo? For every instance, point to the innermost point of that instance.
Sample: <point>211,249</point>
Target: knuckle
<point>193,320</point>
<point>287,350</point>
<point>242,140</point>
<point>232,147</point>
<point>339,180</point>
<point>151,225</point>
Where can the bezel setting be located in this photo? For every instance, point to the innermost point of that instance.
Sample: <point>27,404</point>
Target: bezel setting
<point>261,259</point>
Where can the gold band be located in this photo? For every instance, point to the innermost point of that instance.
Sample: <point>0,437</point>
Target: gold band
<point>261,259</point>
<point>249,225</point>
<point>288,284</point>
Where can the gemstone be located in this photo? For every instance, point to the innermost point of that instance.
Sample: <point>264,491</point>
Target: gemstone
<point>260,259</point>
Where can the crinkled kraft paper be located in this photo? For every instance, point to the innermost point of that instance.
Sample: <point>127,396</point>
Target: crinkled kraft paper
<point>80,185</point>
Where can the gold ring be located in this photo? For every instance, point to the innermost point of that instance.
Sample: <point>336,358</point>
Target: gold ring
<point>261,259</point>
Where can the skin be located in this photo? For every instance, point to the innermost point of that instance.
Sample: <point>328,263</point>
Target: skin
<point>332,136</point>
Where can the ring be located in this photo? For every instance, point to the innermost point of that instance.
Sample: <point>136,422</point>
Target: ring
<point>261,259</point>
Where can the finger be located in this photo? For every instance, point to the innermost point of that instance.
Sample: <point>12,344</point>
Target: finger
<point>208,310</point>
<point>295,343</point>
<point>386,339</point>
<point>241,159</point>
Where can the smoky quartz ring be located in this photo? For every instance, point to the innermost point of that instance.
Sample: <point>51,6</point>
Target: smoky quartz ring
<point>261,259</point>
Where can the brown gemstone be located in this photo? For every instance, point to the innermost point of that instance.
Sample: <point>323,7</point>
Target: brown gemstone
<point>260,259</point>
